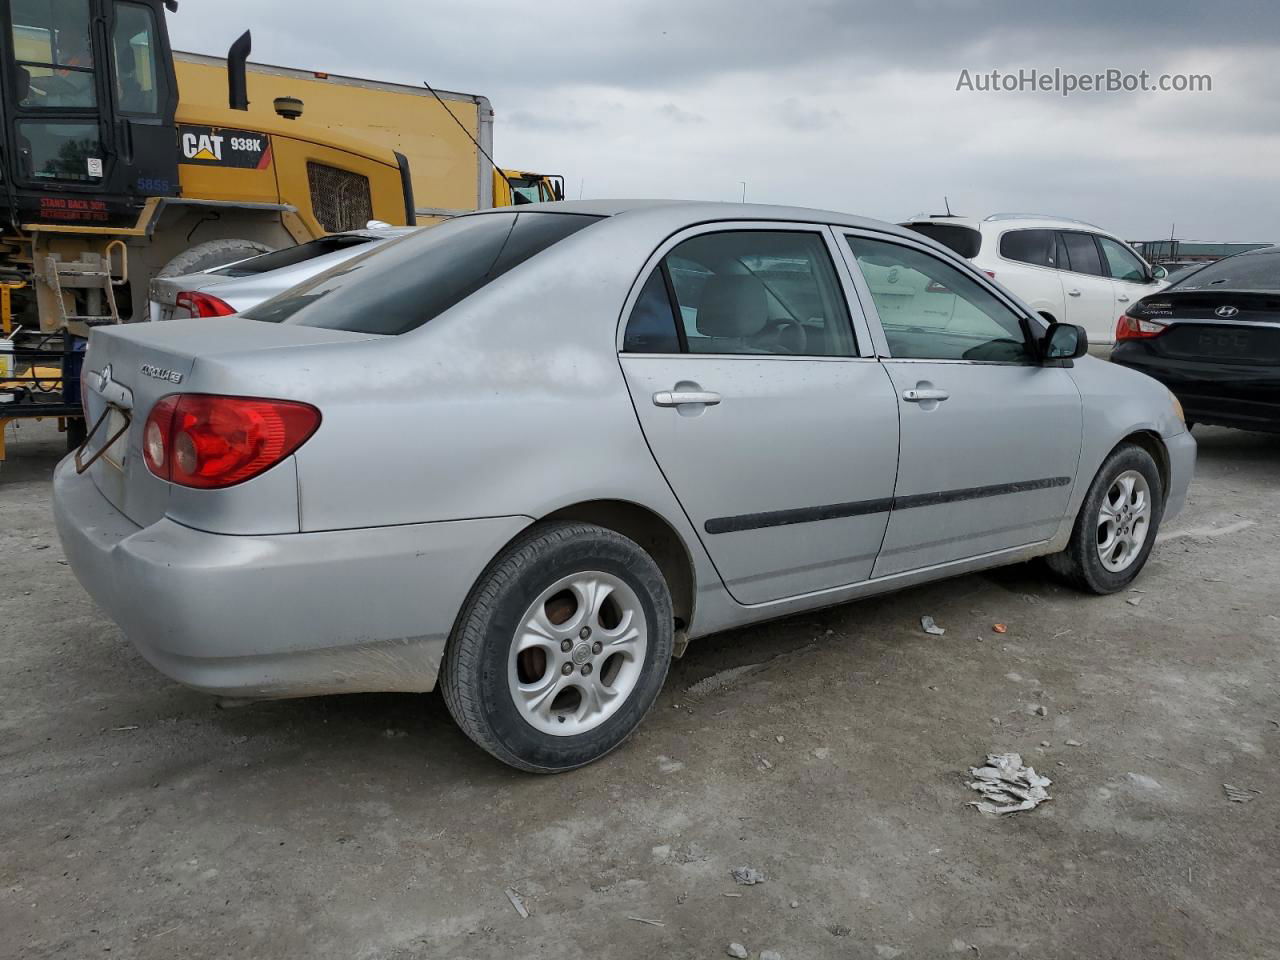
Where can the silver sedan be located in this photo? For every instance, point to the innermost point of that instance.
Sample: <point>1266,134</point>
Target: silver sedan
<point>233,287</point>
<point>530,455</point>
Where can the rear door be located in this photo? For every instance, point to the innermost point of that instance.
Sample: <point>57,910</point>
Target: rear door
<point>1032,270</point>
<point>990,439</point>
<point>1090,294</point>
<point>764,406</point>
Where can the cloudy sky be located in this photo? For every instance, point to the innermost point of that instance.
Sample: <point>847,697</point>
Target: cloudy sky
<point>834,103</point>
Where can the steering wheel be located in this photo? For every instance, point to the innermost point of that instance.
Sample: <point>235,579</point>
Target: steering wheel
<point>788,336</point>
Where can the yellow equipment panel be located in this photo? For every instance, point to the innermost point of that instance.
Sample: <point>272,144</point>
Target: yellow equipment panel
<point>448,172</point>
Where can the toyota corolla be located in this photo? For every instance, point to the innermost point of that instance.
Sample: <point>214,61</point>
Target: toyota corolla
<point>528,456</point>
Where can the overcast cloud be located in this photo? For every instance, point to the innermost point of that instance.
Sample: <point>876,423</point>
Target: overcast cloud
<point>846,105</point>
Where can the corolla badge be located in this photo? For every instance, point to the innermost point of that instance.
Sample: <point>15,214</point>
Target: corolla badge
<point>160,373</point>
<point>1226,313</point>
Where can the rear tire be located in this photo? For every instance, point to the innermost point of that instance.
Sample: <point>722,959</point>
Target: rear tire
<point>1117,524</point>
<point>210,254</point>
<point>561,648</point>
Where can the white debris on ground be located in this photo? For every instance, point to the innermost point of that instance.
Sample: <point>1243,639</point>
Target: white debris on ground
<point>931,626</point>
<point>747,876</point>
<point>1006,785</point>
<point>517,901</point>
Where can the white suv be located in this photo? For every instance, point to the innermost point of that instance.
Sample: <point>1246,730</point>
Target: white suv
<point>1068,270</point>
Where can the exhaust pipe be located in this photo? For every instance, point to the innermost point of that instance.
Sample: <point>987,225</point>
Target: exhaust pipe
<point>237,76</point>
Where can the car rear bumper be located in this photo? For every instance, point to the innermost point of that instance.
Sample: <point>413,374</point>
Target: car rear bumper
<point>1246,396</point>
<point>277,616</point>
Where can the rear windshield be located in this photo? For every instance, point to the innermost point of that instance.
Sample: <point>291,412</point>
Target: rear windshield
<point>403,283</point>
<point>965,241</point>
<point>1244,271</point>
<point>291,255</point>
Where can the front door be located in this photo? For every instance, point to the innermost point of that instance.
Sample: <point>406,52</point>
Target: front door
<point>990,439</point>
<point>1130,278</point>
<point>778,436</point>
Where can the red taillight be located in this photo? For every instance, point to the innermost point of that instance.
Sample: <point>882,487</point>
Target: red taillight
<point>1131,328</point>
<point>202,305</point>
<point>207,441</point>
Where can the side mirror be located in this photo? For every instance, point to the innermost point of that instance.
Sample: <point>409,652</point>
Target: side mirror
<point>1064,341</point>
<point>1158,273</point>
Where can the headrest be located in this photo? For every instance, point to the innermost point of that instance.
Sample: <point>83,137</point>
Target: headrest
<point>733,305</point>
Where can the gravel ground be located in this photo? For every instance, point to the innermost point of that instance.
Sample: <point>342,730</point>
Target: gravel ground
<point>138,820</point>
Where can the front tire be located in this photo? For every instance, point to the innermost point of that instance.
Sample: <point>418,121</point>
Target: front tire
<point>1117,524</point>
<point>561,648</point>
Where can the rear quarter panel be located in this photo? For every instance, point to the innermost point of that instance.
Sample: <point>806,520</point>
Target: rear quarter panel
<point>512,403</point>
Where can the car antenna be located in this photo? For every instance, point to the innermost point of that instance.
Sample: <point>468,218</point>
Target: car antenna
<point>946,203</point>
<point>463,128</point>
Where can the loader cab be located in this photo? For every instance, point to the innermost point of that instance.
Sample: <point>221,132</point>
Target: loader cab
<point>515,187</point>
<point>87,96</point>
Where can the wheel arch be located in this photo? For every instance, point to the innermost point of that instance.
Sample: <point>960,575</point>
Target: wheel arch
<point>653,534</point>
<point>1151,442</point>
<point>179,225</point>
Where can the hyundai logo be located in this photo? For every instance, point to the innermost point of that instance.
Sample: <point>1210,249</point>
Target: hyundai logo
<point>1226,313</point>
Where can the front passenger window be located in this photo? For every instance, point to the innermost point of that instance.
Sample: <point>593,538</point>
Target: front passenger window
<point>1121,263</point>
<point>931,310</point>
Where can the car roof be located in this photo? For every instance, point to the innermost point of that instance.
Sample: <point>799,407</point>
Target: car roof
<point>681,213</point>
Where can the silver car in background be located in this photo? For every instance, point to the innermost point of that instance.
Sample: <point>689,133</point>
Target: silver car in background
<point>529,455</point>
<point>235,287</point>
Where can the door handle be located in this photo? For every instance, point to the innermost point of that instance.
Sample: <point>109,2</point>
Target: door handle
<point>924,396</point>
<point>1073,293</point>
<point>674,398</point>
<point>1122,298</point>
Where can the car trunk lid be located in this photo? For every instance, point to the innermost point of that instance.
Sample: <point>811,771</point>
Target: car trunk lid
<point>130,367</point>
<point>1221,326</point>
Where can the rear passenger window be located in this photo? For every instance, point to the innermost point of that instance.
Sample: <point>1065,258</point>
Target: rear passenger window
<point>1036,247</point>
<point>750,292</point>
<point>1082,254</point>
<point>930,310</point>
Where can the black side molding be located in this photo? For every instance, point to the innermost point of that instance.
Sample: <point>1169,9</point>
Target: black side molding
<point>859,508</point>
